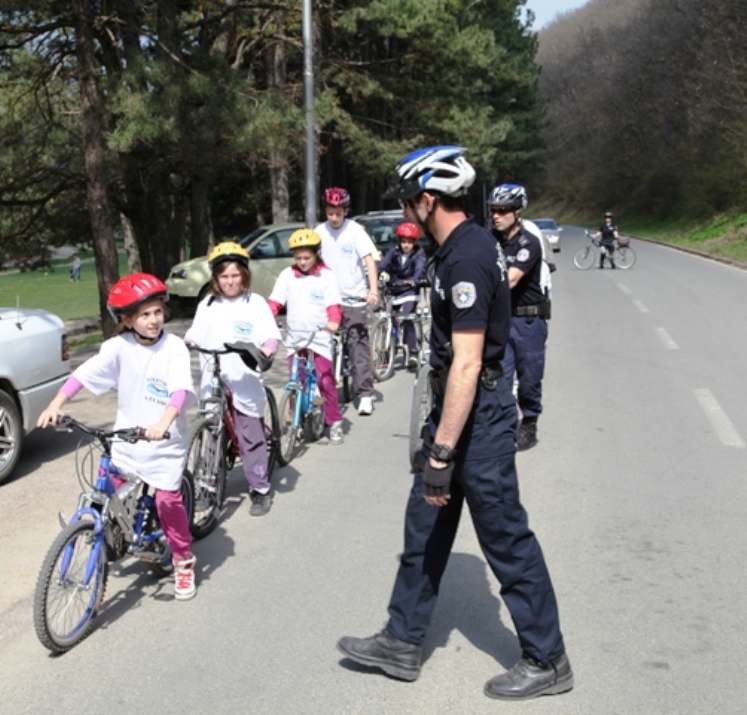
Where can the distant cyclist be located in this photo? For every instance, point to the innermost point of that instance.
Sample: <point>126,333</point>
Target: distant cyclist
<point>404,266</point>
<point>609,234</point>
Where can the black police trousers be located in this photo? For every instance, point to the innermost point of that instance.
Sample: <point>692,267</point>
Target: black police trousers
<point>489,484</point>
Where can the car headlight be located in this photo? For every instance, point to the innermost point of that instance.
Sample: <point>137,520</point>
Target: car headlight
<point>179,273</point>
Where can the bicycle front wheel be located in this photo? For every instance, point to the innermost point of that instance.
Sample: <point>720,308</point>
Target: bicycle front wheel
<point>206,468</point>
<point>70,587</point>
<point>315,417</point>
<point>584,258</point>
<point>382,349</point>
<point>288,431</point>
<point>624,257</point>
<point>272,430</point>
<point>422,403</point>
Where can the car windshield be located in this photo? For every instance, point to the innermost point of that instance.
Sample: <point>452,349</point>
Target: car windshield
<point>254,234</point>
<point>545,224</point>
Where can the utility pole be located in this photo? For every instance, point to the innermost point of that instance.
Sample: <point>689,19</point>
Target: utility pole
<point>308,97</point>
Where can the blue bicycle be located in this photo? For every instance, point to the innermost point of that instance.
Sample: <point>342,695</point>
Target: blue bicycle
<point>301,404</point>
<point>113,519</point>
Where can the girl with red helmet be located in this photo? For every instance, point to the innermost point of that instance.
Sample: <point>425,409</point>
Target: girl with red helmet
<point>232,313</point>
<point>151,371</point>
<point>403,267</point>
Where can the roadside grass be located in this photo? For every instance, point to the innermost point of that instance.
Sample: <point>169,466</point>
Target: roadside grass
<point>54,291</point>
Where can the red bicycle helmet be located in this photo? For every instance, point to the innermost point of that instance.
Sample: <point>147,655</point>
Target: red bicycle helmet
<point>337,196</point>
<point>408,230</point>
<point>131,291</point>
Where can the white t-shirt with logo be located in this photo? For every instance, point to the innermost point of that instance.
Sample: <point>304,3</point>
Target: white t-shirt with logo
<point>221,320</point>
<point>144,377</point>
<point>343,250</point>
<point>307,298</point>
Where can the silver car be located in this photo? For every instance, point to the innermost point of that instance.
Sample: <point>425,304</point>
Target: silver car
<point>34,364</point>
<point>551,231</point>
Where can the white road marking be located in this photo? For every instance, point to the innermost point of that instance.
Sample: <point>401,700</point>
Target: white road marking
<point>624,288</point>
<point>639,304</point>
<point>666,339</point>
<point>725,430</point>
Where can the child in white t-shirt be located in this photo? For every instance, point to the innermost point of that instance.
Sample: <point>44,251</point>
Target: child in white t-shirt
<point>151,372</point>
<point>231,313</point>
<point>349,252</point>
<point>309,289</point>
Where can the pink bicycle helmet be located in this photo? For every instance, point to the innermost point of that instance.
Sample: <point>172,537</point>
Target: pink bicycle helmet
<point>337,196</point>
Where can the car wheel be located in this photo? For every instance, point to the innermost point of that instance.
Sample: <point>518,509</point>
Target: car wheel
<point>11,435</point>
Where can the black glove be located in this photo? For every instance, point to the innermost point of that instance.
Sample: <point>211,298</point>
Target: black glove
<point>252,356</point>
<point>437,481</point>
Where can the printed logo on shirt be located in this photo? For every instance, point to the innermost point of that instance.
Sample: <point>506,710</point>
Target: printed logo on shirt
<point>316,296</point>
<point>464,294</point>
<point>242,329</point>
<point>522,255</point>
<point>346,250</point>
<point>156,391</point>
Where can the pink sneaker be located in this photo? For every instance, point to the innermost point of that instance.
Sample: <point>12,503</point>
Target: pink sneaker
<point>184,579</point>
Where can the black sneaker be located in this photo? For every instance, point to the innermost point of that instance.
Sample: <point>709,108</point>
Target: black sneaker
<point>395,657</point>
<point>261,503</point>
<point>526,436</point>
<point>530,679</point>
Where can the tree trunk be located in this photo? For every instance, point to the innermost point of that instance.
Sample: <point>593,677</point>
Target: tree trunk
<point>130,246</point>
<point>278,163</point>
<point>99,210</point>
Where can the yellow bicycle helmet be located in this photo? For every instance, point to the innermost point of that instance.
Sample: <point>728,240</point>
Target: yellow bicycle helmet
<point>228,251</point>
<point>304,238</point>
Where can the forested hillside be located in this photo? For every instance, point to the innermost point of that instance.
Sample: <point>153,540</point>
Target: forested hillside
<point>647,106</point>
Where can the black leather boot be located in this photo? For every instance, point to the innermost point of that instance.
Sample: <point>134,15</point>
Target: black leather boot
<point>395,657</point>
<point>530,679</point>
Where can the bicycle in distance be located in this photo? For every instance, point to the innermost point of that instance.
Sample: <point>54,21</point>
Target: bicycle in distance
<point>301,405</point>
<point>387,334</point>
<point>213,445</point>
<point>116,516</point>
<point>622,255</point>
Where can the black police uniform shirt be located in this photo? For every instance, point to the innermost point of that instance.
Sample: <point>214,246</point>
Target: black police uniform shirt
<point>608,233</point>
<point>470,291</point>
<point>523,251</point>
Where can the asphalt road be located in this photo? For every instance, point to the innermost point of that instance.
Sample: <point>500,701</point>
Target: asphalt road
<point>636,491</point>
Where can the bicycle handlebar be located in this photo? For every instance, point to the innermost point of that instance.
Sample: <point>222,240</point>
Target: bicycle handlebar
<point>126,434</point>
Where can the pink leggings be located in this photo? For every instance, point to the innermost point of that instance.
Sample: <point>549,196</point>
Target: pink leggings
<point>173,516</point>
<point>327,387</point>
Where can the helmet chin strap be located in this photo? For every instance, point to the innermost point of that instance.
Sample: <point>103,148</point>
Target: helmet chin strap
<point>146,339</point>
<point>423,223</point>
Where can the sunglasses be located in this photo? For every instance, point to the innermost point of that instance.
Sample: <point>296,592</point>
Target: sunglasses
<point>500,210</point>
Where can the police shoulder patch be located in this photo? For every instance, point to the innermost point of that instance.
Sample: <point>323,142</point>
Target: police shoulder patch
<point>464,294</point>
<point>522,255</point>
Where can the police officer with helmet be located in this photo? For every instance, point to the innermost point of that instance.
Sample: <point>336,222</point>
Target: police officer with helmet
<point>469,451</point>
<point>530,307</point>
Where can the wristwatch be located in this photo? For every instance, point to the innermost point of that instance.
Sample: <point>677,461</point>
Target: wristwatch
<point>442,453</point>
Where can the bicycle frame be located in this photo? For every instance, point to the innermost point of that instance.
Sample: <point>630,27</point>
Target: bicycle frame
<point>303,379</point>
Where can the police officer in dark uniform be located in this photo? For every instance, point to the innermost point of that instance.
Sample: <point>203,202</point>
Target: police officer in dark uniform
<point>530,307</point>
<point>609,234</point>
<point>469,452</point>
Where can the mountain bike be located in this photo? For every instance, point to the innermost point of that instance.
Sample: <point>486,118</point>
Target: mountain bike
<point>301,404</point>
<point>622,254</point>
<point>116,516</point>
<point>420,410</point>
<point>387,332</point>
<point>341,367</point>
<point>214,447</point>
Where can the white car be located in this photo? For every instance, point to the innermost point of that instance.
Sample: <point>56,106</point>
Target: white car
<point>34,364</point>
<point>551,230</point>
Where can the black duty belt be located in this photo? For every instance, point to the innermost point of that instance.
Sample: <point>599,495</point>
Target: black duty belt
<point>489,376</point>
<point>541,310</point>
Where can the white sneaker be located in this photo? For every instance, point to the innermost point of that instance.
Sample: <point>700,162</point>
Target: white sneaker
<point>365,406</point>
<point>335,432</point>
<point>184,579</point>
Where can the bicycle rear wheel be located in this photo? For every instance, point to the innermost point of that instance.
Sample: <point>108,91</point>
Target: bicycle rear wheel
<point>382,349</point>
<point>288,430</point>
<point>584,258</point>
<point>422,402</point>
<point>272,430</point>
<point>206,468</point>
<point>624,257</point>
<point>70,587</point>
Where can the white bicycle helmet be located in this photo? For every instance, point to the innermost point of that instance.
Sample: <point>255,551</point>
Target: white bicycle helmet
<point>511,195</point>
<point>440,169</point>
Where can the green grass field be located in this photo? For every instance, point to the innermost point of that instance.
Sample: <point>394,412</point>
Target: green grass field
<point>54,291</point>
